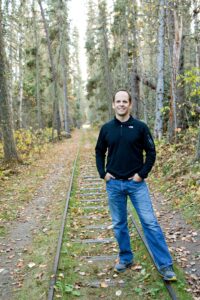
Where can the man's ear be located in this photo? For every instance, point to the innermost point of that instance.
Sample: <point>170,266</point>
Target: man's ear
<point>113,105</point>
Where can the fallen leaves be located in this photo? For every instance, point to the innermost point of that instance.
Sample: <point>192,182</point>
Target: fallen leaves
<point>31,265</point>
<point>20,263</point>
<point>136,268</point>
<point>82,273</point>
<point>103,285</point>
<point>118,293</point>
<point>2,270</point>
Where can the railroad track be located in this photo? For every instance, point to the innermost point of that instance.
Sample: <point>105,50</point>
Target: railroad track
<point>93,239</point>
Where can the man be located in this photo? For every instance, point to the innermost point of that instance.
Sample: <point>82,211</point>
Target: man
<point>125,139</point>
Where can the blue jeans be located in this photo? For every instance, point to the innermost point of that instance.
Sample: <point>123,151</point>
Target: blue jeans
<point>118,190</point>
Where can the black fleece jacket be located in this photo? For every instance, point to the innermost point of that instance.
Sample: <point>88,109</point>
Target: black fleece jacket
<point>125,142</point>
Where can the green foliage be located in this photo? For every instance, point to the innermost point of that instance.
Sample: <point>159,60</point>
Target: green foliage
<point>191,79</point>
<point>66,288</point>
<point>30,140</point>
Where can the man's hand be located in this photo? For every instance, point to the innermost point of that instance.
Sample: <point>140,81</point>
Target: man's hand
<point>108,176</point>
<point>136,178</point>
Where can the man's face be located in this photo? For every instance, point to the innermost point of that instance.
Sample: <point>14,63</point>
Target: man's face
<point>121,104</point>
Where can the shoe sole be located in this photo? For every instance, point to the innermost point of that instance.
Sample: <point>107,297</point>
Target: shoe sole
<point>169,279</point>
<point>123,270</point>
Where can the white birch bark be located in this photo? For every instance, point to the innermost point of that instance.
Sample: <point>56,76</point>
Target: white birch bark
<point>158,126</point>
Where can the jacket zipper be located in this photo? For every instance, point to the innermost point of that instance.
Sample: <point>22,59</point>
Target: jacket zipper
<point>121,129</point>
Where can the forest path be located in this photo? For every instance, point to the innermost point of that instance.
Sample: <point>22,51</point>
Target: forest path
<point>183,240</point>
<point>34,216</point>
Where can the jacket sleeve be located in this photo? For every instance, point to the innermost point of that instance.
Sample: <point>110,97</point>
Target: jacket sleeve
<point>100,150</point>
<point>150,151</point>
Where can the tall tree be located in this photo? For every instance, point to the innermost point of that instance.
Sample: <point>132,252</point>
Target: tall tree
<point>175,30</point>
<point>20,59</point>
<point>196,14</point>
<point>77,78</point>
<point>56,112</point>
<point>158,126</point>
<point>10,152</point>
<point>104,51</point>
<point>37,67</point>
<point>64,54</point>
<point>119,53</point>
<point>135,89</point>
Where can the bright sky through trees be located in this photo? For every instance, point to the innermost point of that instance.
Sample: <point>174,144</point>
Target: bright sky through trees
<point>78,17</point>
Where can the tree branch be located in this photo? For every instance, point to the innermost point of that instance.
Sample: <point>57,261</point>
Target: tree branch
<point>196,108</point>
<point>146,82</point>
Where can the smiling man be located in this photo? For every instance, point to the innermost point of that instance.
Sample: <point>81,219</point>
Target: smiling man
<point>124,139</point>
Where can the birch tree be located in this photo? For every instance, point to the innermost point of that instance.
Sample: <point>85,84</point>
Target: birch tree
<point>158,127</point>
<point>20,59</point>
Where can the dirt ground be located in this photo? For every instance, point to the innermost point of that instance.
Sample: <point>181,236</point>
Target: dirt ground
<point>30,217</point>
<point>183,241</point>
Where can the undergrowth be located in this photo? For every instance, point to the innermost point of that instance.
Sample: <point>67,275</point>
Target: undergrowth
<point>177,175</point>
<point>30,143</point>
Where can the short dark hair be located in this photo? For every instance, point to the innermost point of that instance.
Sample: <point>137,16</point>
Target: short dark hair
<point>123,90</point>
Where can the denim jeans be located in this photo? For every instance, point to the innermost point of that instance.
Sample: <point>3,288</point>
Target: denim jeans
<point>138,192</point>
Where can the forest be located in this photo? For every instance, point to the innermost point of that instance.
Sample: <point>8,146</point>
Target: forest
<point>149,47</point>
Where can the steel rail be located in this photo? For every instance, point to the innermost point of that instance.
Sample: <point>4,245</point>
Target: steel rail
<point>167,283</point>
<point>59,244</point>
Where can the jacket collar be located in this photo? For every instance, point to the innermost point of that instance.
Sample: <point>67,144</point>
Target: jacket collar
<point>126,123</point>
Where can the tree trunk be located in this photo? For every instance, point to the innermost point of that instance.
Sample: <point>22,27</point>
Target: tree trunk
<point>108,78</point>
<point>56,112</point>
<point>181,116</point>
<point>135,89</point>
<point>66,102</point>
<point>20,80</point>
<point>197,33</point>
<point>63,40</point>
<point>37,75</point>
<point>10,81</point>
<point>158,127</point>
<point>174,46</point>
<point>197,38</point>
<point>10,152</point>
<point>109,84</point>
<point>20,59</point>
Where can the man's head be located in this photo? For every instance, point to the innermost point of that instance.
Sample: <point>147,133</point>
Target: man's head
<point>123,90</point>
<point>122,104</point>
